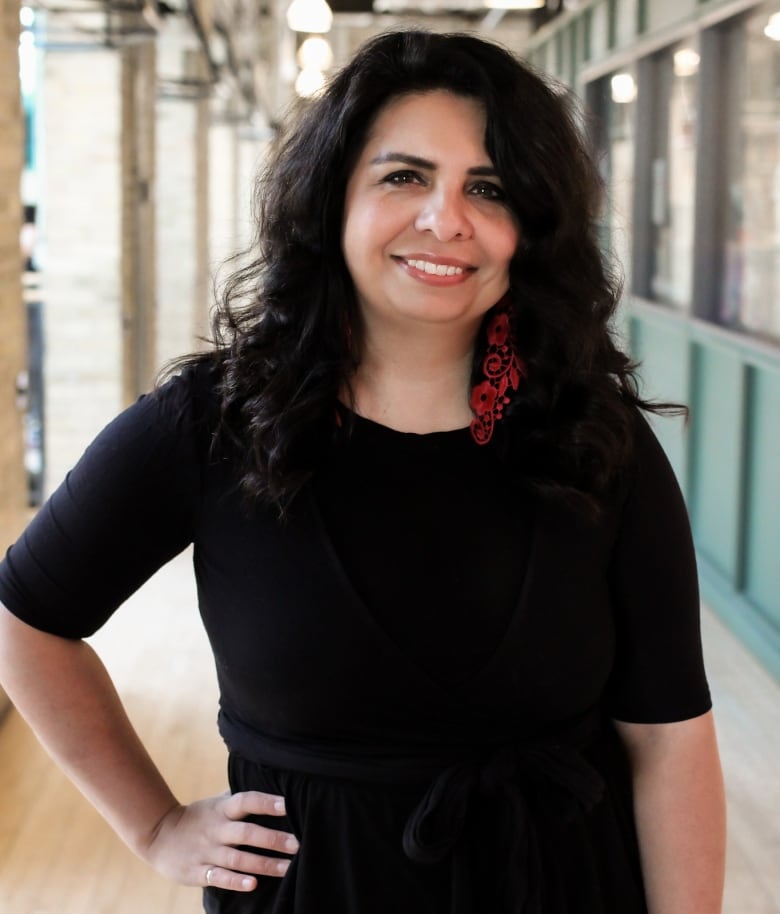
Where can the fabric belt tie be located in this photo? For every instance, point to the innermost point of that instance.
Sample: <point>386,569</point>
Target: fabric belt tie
<point>486,811</point>
<point>489,810</point>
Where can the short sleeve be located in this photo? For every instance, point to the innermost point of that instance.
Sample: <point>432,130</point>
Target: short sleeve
<point>123,511</point>
<point>658,675</point>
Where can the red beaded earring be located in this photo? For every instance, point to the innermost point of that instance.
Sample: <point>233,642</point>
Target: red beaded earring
<point>502,369</point>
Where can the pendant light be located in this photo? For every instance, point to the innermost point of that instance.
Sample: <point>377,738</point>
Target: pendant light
<point>309,16</point>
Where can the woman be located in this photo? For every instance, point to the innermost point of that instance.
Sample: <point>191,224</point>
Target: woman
<point>442,561</point>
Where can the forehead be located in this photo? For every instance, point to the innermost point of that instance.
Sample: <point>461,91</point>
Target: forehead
<point>434,118</point>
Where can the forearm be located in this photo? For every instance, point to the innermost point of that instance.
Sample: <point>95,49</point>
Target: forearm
<point>64,692</point>
<point>680,814</point>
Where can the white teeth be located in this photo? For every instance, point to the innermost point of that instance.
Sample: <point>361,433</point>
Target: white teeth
<point>435,269</point>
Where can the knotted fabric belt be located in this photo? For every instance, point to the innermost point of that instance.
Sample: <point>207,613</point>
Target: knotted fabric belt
<point>481,808</point>
<point>503,796</point>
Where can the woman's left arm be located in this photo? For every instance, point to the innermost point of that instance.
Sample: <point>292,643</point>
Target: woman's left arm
<point>680,813</point>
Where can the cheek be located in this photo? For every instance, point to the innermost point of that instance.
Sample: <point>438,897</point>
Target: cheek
<point>362,230</point>
<point>507,242</point>
<point>373,225</point>
<point>353,239</point>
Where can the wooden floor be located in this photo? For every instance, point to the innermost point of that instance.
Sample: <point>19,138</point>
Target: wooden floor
<point>57,856</point>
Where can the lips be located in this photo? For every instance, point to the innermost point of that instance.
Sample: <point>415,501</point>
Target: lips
<point>432,265</point>
<point>435,269</point>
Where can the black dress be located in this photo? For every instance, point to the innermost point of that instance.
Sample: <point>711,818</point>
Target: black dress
<point>424,660</point>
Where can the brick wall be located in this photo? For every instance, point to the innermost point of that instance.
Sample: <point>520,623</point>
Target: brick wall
<point>81,229</point>
<point>200,305</point>
<point>13,493</point>
<point>13,496</point>
<point>182,183</point>
<point>126,199</point>
<point>139,267</point>
<point>223,190</point>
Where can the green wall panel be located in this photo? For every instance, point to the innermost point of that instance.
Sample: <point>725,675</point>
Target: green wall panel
<point>762,558</point>
<point>664,354</point>
<point>716,444</point>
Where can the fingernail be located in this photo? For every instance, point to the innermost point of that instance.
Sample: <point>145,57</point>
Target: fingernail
<point>279,804</point>
<point>282,866</point>
<point>291,844</point>
<point>247,882</point>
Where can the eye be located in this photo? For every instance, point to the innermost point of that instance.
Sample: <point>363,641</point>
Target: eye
<point>487,190</point>
<point>399,178</point>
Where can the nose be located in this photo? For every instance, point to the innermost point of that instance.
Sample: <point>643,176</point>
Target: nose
<point>445,214</point>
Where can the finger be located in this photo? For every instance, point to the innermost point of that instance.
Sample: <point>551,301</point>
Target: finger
<point>246,863</point>
<point>220,877</point>
<point>253,802</point>
<point>249,834</point>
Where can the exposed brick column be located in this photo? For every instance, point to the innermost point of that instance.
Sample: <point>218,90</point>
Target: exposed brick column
<point>250,160</point>
<point>139,280</point>
<point>13,485</point>
<point>223,192</point>
<point>203,285</point>
<point>81,204</point>
<point>98,237</point>
<point>182,188</point>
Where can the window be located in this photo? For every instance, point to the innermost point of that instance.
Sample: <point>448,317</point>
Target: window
<point>750,284</point>
<point>613,101</point>
<point>670,207</point>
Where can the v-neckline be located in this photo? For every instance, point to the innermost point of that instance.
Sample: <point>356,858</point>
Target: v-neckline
<point>358,604</point>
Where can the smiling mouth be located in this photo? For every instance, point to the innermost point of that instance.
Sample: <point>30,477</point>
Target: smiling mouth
<point>436,269</point>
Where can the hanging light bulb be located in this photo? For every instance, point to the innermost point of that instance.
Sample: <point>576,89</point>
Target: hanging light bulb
<point>623,86</point>
<point>309,16</point>
<point>315,53</point>
<point>309,82</point>
<point>772,28</point>
<point>686,62</point>
<point>514,4</point>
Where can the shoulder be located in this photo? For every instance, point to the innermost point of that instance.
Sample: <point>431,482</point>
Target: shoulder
<point>184,407</point>
<point>649,464</point>
<point>653,510</point>
<point>644,484</point>
<point>189,395</point>
<point>171,425</point>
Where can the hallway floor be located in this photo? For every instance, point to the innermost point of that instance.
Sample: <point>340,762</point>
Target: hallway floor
<point>58,857</point>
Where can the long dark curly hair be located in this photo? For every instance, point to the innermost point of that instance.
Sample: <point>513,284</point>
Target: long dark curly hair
<point>283,352</point>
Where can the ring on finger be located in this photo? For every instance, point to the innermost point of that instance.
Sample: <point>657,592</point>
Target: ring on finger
<point>209,871</point>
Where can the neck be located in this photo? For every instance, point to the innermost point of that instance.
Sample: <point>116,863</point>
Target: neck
<point>416,383</point>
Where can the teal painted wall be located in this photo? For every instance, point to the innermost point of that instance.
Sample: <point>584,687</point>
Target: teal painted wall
<point>762,553</point>
<point>664,374</point>
<point>727,459</point>
<point>716,444</point>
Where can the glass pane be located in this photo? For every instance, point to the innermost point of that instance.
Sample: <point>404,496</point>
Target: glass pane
<point>622,114</point>
<point>750,296</point>
<point>672,176</point>
<point>615,108</point>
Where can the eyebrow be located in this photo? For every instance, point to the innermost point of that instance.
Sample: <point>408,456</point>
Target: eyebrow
<point>487,171</point>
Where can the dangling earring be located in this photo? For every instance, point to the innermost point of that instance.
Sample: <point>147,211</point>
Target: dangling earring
<point>502,369</point>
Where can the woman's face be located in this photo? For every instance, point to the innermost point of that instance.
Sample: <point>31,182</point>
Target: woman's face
<point>427,236</point>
